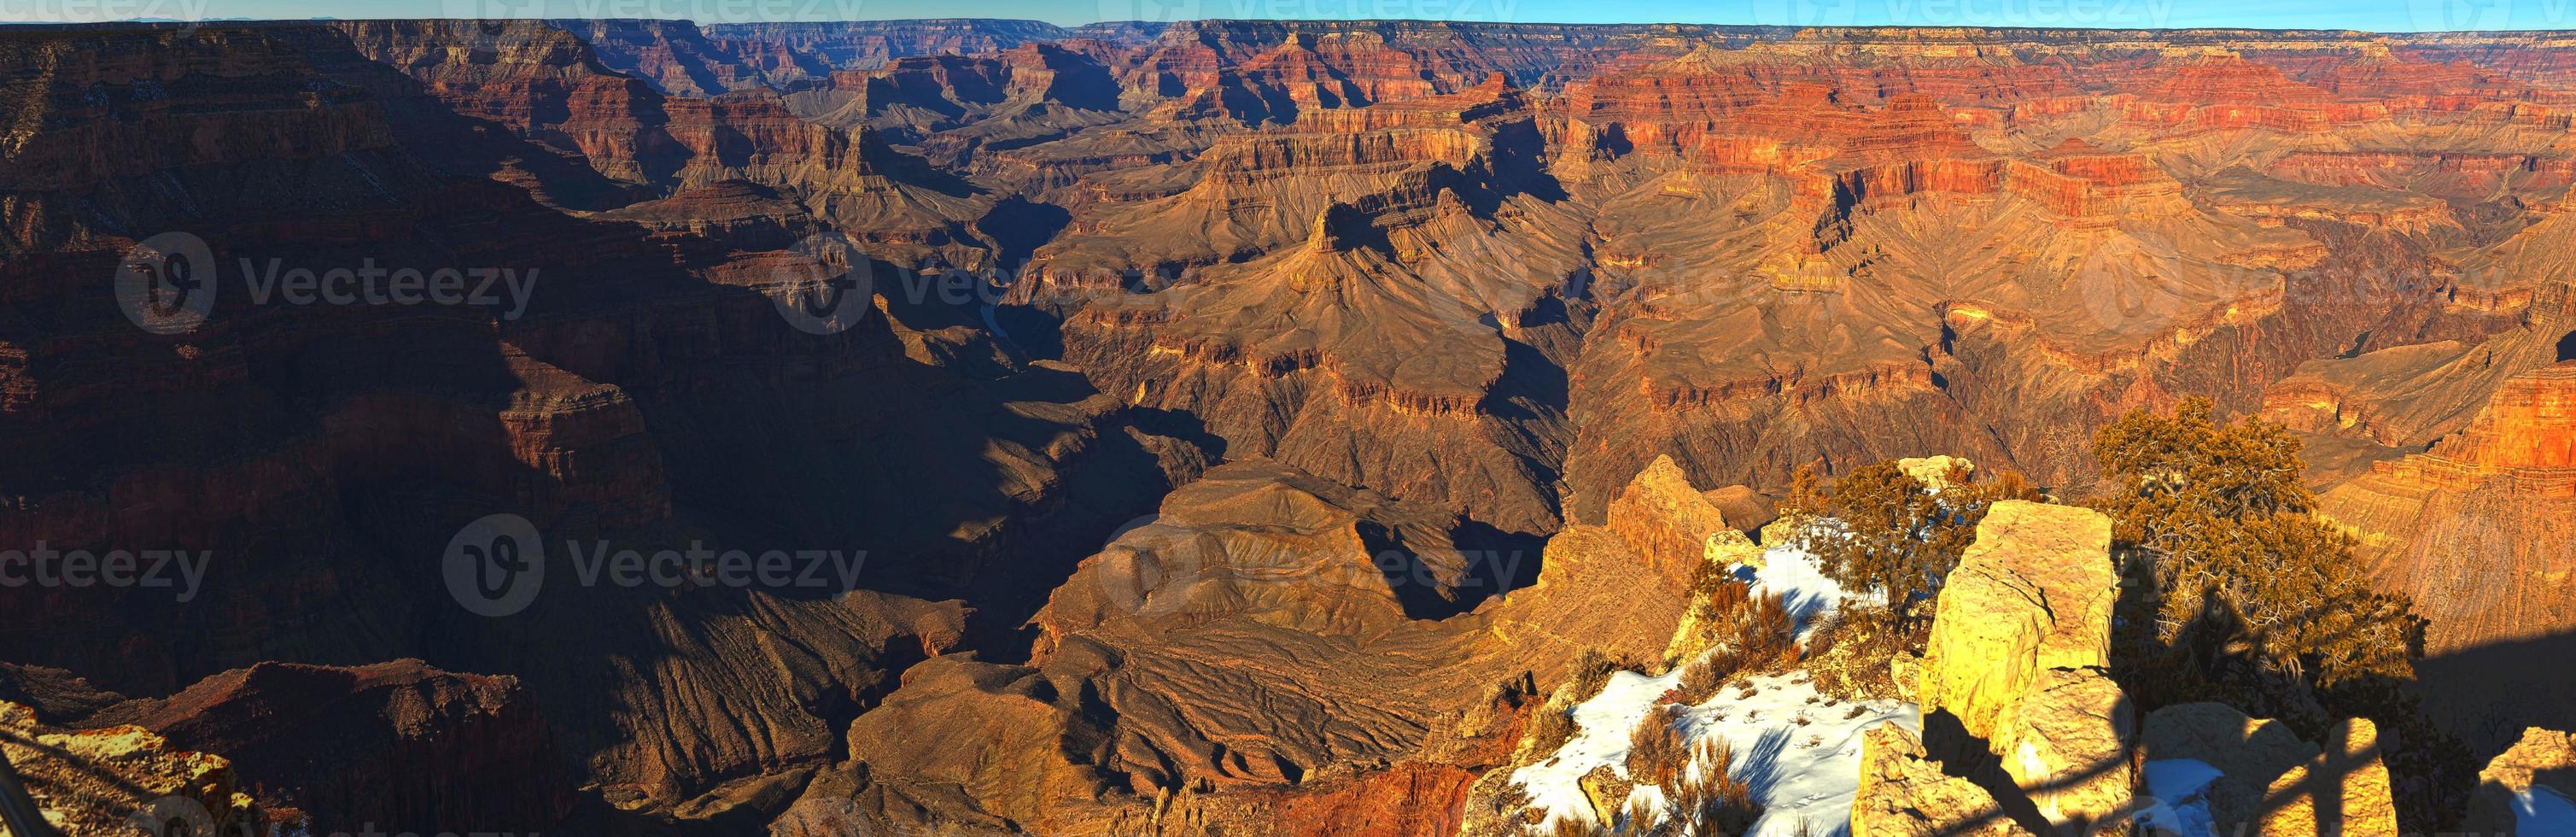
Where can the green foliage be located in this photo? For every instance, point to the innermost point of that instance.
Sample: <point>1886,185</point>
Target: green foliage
<point>2240,593</point>
<point>2219,530</point>
<point>1899,538</point>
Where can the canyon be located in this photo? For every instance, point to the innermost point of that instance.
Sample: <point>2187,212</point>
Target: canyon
<point>1245,425</point>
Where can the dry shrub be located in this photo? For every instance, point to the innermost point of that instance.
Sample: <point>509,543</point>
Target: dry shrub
<point>1638,817</point>
<point>1711,800</point>
<point>1756,634</point>
<point>1850,654</point>
<point>1765,634</point>
<point>1714,590</point>
<point>1655,749</point>
<point>1550,729</point>
<point>1701,680</point>
<point>1573,825</point>
<point>1592,670</point>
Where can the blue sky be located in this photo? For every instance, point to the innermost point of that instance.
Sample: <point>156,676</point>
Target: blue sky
<point>2377,15</point>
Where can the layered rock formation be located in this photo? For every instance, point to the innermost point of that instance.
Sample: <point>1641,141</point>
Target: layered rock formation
<point>1273,648</point>
<point>1437,289</point>
<point>342,447</point>
<point>411,746</point>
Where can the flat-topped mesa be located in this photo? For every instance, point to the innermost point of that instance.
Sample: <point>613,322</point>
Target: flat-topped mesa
<point>2445,173</point>
<point>2530,423</point>
<point>2523,441</point>
<point>1239,161</point>
<point>2214,93</point>
<point>784,53</point>
<point>2478,529</point>
<point>1494,99</point>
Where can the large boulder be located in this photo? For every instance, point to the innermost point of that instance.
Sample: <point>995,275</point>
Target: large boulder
<point>2344,791</point>
<point>1934,471</point>
<point>2015,666</point>
<point>2067,744</point>
<point>2033,593</point>
<point>1904,793</point>
<point>2247,754</point>
<point>2542,763</point>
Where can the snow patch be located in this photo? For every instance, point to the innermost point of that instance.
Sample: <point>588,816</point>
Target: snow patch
<point>2179,804</point>
<point>2540,811</point>
<point>1805,775</point>
<point>1800,580</point>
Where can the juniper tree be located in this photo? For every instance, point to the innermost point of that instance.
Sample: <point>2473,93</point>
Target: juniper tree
<point>2239,592</point>
<point>1899,537</point>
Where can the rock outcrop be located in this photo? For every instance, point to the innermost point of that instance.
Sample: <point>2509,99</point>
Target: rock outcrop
<point>2033,594</point>
<point>1903,793</point>
<point>2517,782</point>
<point>2248,754</point>
<point>2024,729</point>
<point>399,745</point>
<point>1354,642</point>
<point>2344,790</point>
<point>1672,524</point>
<point>124,780</point>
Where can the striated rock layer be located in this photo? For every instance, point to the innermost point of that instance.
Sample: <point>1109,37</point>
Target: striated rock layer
<point>1436,291</point>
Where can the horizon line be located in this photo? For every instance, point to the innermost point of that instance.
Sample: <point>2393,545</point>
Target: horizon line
<point>1326,20</point>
